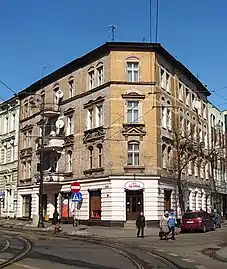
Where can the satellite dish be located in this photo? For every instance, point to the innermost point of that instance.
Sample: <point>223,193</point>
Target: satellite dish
<point>59,94</point>
<point>59,123</point>
<point>38,100</point>
<point>197,104</point>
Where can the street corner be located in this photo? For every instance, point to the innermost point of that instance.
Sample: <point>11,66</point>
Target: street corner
<point>221,254</point>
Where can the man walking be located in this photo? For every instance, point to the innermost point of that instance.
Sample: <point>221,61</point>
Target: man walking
<point>140,224</point>
<point>172,223</point>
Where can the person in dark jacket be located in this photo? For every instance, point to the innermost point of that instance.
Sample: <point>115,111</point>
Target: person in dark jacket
<point>55,220</point>
<point>140,224</point>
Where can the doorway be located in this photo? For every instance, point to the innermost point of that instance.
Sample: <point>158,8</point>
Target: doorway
<point>167,199</point>
<point>134,204</point>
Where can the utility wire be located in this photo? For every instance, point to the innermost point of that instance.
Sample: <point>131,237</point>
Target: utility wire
<point>11,90</point>
<point>157,18</point>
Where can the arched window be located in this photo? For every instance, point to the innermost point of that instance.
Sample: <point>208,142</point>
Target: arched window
<point>132,69</point>
<point>71,84</point>
<point>169,116</point>
<point>91,150</point>
<point>69,161</point>
<point>100,156</point>
<point>55,97</point>
<point>133,153</point>
<point>91,78</point>
<point>169,157</point>
<point>164,156</point>
<point>99,69</point>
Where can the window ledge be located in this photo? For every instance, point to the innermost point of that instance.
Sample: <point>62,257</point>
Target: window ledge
<point>93,170</point>
<point>136,168</point>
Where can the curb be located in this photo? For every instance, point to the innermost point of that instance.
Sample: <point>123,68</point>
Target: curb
<point>220,257</point>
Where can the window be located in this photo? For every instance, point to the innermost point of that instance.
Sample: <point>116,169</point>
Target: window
<point>100,75</point>
<point>6,125</point>
<point>55,97</point>
<point>29,138</point>
<point>91,149</point>
<point>29,170</point>
<point>13,122</point>
<point>133,71</point>
<point>168,82</point>
<point>163,78</point>
<point>181,92</point>
<point>71,87</point>
<point>90,118</point>
<point>99,115</point>
<point>69,161</point>
<point>169,119</point>
<point>182,126</point>
<point>164,116</point>
<point>164,159</point>
<point>132,111</point>
<point>169,157</point>
<point>100,155</point>
<point>95,204</point>
<point>23,170</point>
<point>133,153</point>
<point>91,76</point>
<point>12,152</point>
<point>70,126</point>
<point>187,97</point>
<point>2,155</point>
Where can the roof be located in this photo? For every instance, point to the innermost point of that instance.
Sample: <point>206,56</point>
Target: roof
<point>104,50</point>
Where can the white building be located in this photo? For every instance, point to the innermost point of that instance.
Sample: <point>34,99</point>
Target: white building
<point>217,148</point>
<point>9,135</point>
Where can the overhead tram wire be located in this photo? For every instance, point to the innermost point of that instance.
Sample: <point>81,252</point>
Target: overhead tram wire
<point>10,89</point>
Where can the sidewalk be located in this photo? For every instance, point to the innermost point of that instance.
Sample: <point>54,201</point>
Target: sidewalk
<point>82,230</point>
<point>221,254</point>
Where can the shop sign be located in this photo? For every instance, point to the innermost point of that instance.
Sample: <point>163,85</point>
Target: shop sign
<point>134,185</point>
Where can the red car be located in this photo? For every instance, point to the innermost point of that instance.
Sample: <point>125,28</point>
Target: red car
<point>197,220</point>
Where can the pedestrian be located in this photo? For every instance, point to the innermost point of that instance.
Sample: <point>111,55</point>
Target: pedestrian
<point>55,220</point>
<point>164,226</point>
<point>172,223</point>
<point>74,217</point>
<point>140,224</point>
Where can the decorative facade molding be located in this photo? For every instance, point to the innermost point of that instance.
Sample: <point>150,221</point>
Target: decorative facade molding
<point>98,100</point>
<point>94,134</point>
<point>69,141</point>
<point>133,129</point>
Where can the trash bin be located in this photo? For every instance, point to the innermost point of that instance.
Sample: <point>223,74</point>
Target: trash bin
<point>47,218</point>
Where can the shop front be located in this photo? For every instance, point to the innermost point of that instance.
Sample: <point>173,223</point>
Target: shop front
<point>134,199</point>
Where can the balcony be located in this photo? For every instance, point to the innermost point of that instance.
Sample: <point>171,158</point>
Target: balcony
<point>51,178</point>
<point>51,111</point>
<point>53,143</point>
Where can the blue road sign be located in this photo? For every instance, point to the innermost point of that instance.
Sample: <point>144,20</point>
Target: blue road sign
<point>77,197</point>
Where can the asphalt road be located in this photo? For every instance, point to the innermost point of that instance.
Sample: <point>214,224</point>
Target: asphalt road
<point>32,251</point>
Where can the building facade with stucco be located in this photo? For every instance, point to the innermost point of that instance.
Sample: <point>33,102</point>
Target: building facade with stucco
<point>108,124</point>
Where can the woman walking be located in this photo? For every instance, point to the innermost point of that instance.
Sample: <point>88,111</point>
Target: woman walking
<point>164,226</point>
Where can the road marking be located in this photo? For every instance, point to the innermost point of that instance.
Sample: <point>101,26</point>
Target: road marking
<point>200,266</point>
<point>187,260</point>
<point>173,254</point>
<point>161,250</point>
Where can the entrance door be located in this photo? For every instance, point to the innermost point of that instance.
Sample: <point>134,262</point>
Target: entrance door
<point>134,204</point>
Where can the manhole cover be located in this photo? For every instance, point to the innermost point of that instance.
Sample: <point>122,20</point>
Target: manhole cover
<point>210,251</point>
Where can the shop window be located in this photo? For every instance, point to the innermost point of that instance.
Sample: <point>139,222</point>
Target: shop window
<point>26,209</point>
<point>95,204</point>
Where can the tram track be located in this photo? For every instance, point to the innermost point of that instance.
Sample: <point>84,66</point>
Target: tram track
<point>132,253</point>
<point>26,247</point>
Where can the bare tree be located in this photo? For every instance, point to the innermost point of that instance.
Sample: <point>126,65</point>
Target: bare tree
<point>187,150</point>
<point>216,159</point>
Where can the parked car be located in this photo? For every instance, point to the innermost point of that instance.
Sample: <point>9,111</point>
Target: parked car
<point>197,220</point>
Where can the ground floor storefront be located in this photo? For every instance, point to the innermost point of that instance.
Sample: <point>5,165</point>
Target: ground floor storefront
<point>111,201</point>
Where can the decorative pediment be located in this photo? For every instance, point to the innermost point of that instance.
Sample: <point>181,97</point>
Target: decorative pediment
<point>98,100</point>
<point>133,129</point>
<point>26,152</point>
<point>27,127</point>
<point>133,95</point>
<point>94,135</point>
<point>69,111</point>
<point>68,140</point>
